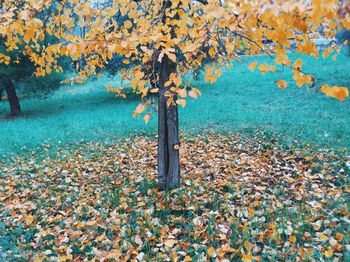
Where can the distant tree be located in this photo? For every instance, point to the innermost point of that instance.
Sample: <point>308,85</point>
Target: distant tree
<point>8,73</point>
<point>21,73</point>
<point>162,41</point>
<point>7,85</point>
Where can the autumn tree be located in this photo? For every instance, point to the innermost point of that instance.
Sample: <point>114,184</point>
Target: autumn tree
<point>162,41</point>
<point>19,76</point>
<point>17,68</point>
<point>344,35</point>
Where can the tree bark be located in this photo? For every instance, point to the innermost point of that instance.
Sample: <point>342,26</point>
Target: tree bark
<point>168,132</point>
<point>1,92</point>
<point>12,98</point>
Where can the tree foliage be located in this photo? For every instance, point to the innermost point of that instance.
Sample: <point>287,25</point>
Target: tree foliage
<point>187,32</point>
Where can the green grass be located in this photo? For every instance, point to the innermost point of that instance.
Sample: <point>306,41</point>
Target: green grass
<point>239,101</point>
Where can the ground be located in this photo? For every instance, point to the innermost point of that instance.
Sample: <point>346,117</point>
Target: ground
<point>242,198</point>
<point>265,174</point>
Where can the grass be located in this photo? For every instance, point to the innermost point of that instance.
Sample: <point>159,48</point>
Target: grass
<point>239,100</point>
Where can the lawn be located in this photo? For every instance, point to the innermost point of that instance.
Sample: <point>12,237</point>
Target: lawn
<point>238,101</point>
<point>264,174</point>
<point>241,199</point>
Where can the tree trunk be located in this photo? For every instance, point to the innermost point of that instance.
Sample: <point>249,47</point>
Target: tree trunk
<point>168,132</point>
<point>12,97</point>
<point>1,92</point>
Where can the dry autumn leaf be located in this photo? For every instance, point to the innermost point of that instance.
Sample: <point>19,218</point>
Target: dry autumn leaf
<point>181,102</point>
<point>146,118</point>
<point>253,65</point>
<point>211,252</point>
<point>282,84</point>
<point>336,91</point>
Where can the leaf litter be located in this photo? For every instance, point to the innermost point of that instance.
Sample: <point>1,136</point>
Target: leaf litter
<point>241,199</point>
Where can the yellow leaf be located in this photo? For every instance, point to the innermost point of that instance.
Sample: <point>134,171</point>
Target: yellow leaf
<point>329,253</point>
<point>29,219</point>
<point>139,109</point>
<point>194,93</point>
<point>168,83</point>
<point>65,258</point>
<point>292,239</point>
<point>251,211</point>
<point>181,102</point>
<point>252,66</point>
<point>172,57</point>
<point>177,81</point>
<point>247,246</point>
<point>139,75</point>
<point>124,205</point>
<point>218,73</point>
<point>188,259</point>
<point>247,258</point>
<point>146,118</point>
<point>127,24</point>
<point>91,223</point>
<point>101,237</point>
<point>211,252</point>
<point>170,101</point>
<point>212,52</point>
<point>339,236</point>
<point>170,242</point>
<point>298,63</point>
<point>28,35</point>
<point>80,225</point>
<point>182,92</point>
<point>123,11</point>
<point>336,91</point>
<point>263,68</point>
<point>37,259</point>
<point>323,237</point>
<point>282,84</point>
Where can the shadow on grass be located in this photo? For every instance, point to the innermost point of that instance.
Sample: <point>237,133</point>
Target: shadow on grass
<point>38,108</point>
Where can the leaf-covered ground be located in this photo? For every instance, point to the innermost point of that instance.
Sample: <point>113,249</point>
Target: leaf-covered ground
<point>241,199</point>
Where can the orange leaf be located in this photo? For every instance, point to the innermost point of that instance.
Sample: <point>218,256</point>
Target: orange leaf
<point>298,63</point>
<point>247,258</point>
<point>171,56</point>
<point>146,118</point>
<point>323,237</point>
<point>194,93</point>
<point>177,81</point>
<point>337,92</point>
<point>127,24</point>
<point>263,68</point>
<point>282,84</point>
<point>211,252</point>
<point>181,102</point>
<point>292,239</point>
<point>252,66</point>
<point>182,92</point>
<point>329,253</point>
<point>170,242</point>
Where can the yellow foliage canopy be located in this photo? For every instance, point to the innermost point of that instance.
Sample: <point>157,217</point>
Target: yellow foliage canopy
<point>188,32</point>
